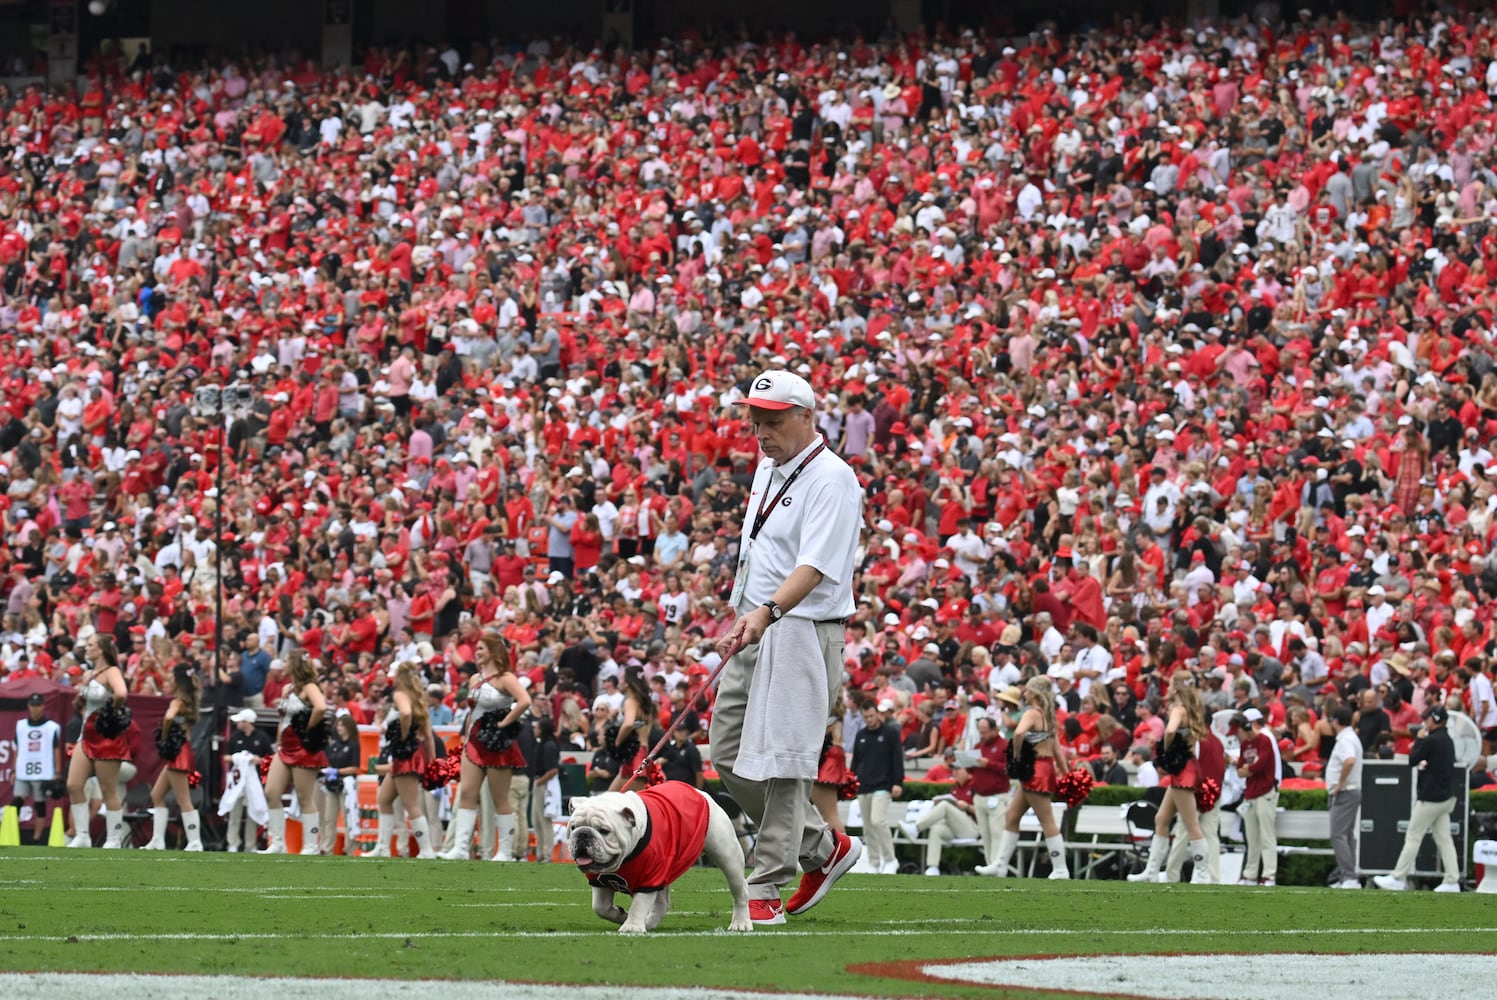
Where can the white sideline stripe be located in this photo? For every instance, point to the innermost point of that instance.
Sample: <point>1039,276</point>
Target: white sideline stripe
<point>1269,976</point>
<point>325,895</point>
<point>552,906</point>
<point>838,931</point>
<point>297,890</point>
<point>70,986</point>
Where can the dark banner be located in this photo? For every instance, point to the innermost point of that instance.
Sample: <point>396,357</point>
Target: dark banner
<point>147,711</point>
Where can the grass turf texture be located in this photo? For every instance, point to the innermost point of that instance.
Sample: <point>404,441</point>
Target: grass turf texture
<point>132,911</point>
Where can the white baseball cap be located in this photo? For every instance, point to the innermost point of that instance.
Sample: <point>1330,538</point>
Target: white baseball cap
<point>780,390</point>
<point>243,715</point>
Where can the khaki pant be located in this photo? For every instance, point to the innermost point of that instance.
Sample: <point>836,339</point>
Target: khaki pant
<point>329,805</point>
<point>791,832</point>
<point>1211,827</point>
<point>946,822</point>
<point>1431,818</point>
<point>990,811</point>
<point>519,801</point>
<point>234,831</point>
<point>542,823</point>
<point>1258,818</point>
<point>877,836</point>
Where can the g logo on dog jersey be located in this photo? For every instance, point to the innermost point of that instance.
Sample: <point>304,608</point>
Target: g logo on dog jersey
<point>612,880</point>
<point>763,384</point>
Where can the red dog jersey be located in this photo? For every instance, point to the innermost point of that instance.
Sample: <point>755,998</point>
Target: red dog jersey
<point>675,833</point>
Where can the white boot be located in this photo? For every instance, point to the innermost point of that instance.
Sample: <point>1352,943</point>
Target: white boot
<point>507,825</point>
<point>158,829</point>
<point>421,831</point>
<point>1003,851</point>
<point>402,838</point>
<point>462,842</point>
<point>1056,845</point>
<point>1159,848</point>
<point>114,827</point>
<point>194,831</point>
<point>275,833</point>
<point>311,833</point>
<point>1201,863</point>
<point>382,845</point>
<point>80,827</point>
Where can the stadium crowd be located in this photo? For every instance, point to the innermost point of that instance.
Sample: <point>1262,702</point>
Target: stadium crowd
<point>1155,349</point>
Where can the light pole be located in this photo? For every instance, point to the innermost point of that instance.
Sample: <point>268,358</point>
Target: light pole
<point>223,403</point>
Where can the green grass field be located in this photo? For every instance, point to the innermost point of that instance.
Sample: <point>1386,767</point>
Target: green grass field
<point>255,916</point>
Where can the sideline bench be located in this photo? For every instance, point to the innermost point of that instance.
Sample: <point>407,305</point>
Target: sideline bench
<point>1303,824</point>
<point>1031,838</point>
<point>1107,828</point>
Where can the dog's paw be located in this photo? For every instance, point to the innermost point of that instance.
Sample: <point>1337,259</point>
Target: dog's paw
<point>741,925</point>
<point>628,928</point>
<point>615,915</point>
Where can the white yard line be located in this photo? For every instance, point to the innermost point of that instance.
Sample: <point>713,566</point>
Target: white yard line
<point>833,930</point>
<point>70,986</point>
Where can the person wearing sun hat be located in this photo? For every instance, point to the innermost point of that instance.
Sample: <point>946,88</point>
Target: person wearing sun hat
<point>792,595</point>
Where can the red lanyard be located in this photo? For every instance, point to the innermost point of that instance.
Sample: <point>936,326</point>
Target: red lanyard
<point>768,506</point>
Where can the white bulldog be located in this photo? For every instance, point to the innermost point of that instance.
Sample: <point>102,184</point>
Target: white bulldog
<point>640,842</point>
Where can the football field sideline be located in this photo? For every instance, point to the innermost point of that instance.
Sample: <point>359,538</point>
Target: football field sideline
<point>136,924</point>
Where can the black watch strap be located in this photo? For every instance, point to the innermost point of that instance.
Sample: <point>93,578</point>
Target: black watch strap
<point>775,611</point>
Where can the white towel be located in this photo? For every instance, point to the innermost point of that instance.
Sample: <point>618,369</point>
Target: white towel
<point>243,782</point>
<point>350,810</point>
<point>551,797</point>
<point>784,722</point>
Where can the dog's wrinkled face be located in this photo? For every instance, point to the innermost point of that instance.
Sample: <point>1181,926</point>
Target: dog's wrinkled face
<point>604,829</point>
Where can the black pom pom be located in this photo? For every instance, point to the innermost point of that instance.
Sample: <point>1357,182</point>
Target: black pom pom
<point>110,721</point>
<point>168,746</point>
<point>401,749</point>
<point>493,737</point>
<point>315,738</point>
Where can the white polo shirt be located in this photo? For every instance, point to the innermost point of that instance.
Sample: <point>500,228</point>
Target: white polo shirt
<point>1346,753</point>
<point>816,523</point>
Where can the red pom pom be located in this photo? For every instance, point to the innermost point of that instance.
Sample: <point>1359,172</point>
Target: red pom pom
<point>1207,793</point>
<point>265,768</point>
<point>441,772</point>
<point>848,789</point>
<point>1075,786</point>
<point>194,779</point>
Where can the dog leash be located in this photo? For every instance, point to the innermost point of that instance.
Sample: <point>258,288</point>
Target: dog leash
<point>649,758</point>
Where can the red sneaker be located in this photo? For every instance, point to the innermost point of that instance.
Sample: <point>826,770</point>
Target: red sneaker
<point>814,884</point>
<point>766,911</point>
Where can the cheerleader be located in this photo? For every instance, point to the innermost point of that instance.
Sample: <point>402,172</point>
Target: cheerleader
<point>1184,730</point>
<point>1040,754</point>
<point>342,762</point>
<point>299,756</point>
<point>105,745</point>
<point>408,741</point>
<point>831,774</point>
<point>499,697</point>
<point>636,719</point>
<point>174,745</point>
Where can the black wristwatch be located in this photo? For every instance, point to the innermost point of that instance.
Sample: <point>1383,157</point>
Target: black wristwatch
<point>775,611</point>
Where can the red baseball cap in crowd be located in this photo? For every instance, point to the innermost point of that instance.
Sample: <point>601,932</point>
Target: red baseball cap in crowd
<point>780,390</point>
